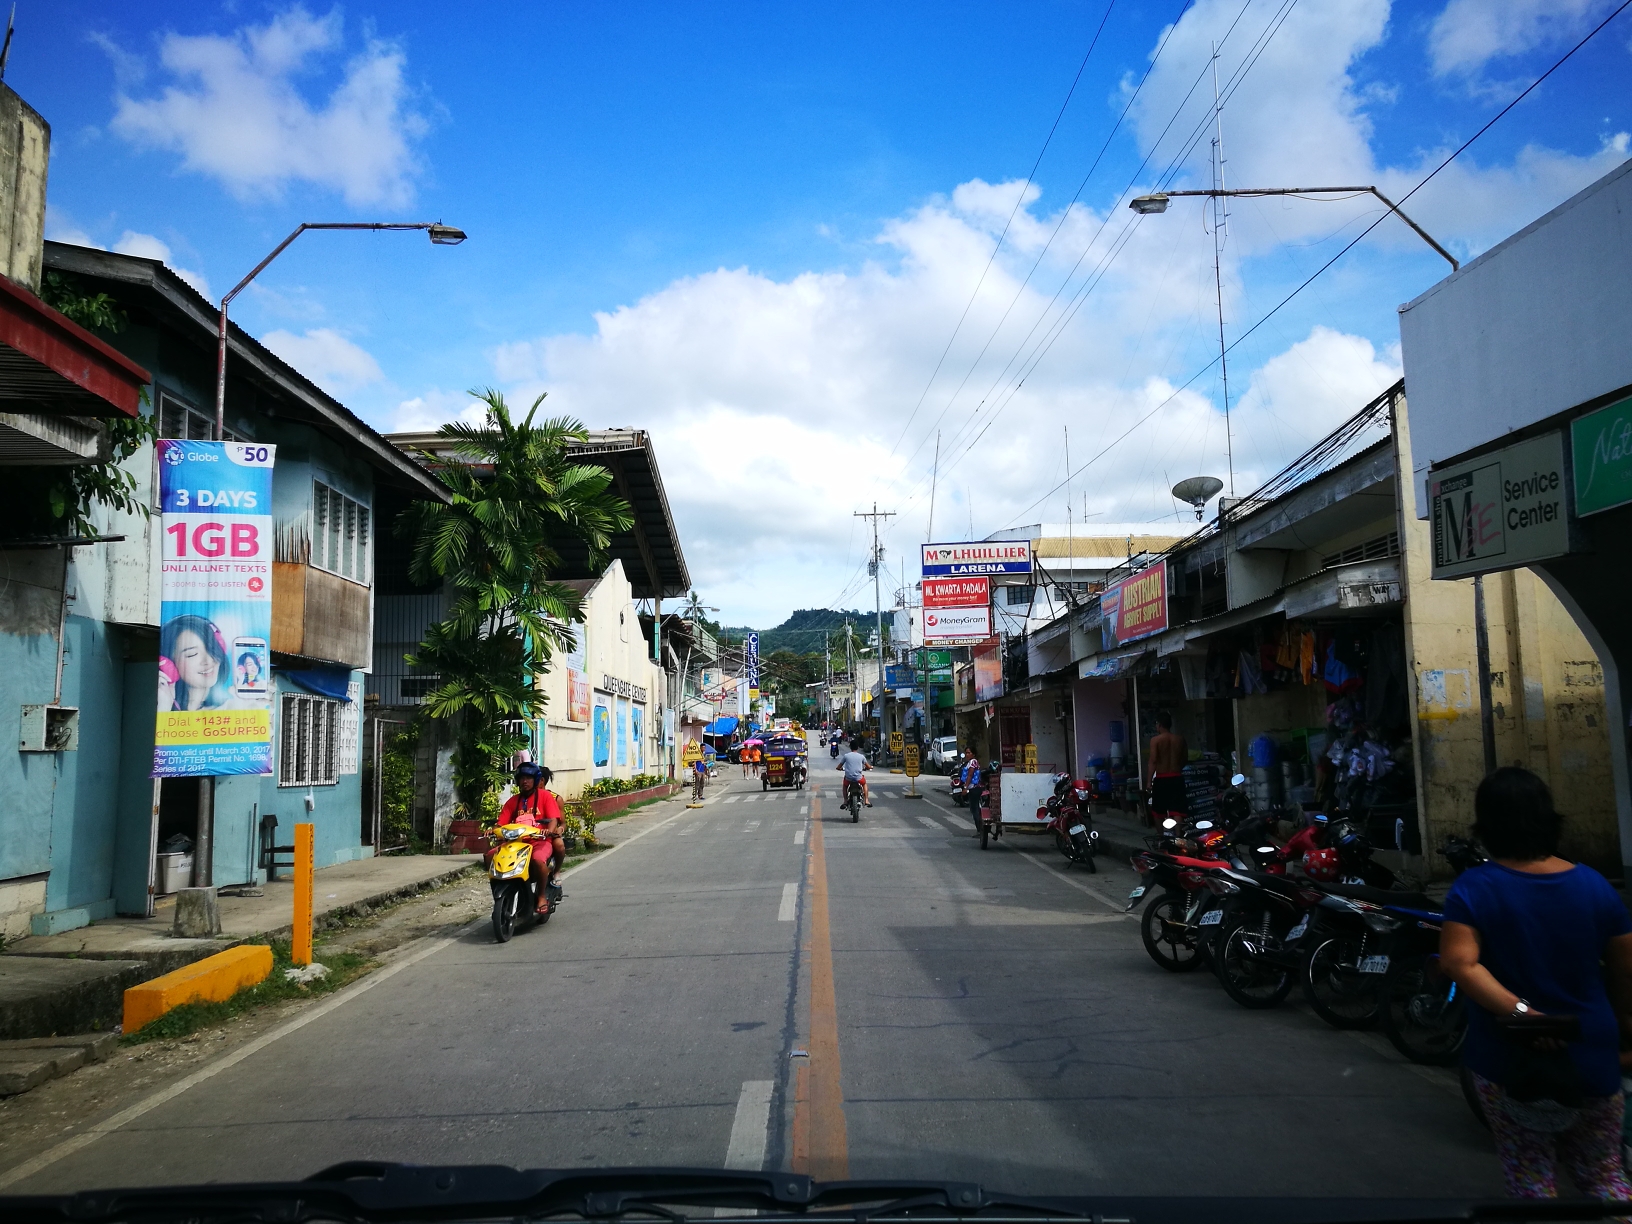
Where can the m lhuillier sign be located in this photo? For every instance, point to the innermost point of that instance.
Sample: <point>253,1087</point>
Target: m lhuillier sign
<point>1501,510</point>
<point>967,560</point>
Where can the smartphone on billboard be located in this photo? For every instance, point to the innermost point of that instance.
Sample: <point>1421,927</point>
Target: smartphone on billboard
<point>251,667</point>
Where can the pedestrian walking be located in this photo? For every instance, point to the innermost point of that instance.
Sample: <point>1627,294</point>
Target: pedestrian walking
<point>742,756</point>
<point>699,777</point>
<point>1543,947</point>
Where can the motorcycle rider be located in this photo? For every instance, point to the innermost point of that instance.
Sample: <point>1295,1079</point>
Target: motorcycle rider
<point>532,804</point>
<point>972,777</point>
<point>855,767</point>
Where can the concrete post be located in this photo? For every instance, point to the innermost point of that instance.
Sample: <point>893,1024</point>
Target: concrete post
<point>198,914</point>
<point>300,951</point>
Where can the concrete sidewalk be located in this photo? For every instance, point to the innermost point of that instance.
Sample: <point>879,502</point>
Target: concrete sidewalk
<point>75,982</point>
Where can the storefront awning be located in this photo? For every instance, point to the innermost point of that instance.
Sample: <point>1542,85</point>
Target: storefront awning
<point>724,725</point>
<point>50,364</point>
<point>1108,667</point>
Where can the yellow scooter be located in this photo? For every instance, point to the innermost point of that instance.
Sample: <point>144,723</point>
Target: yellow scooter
<point>518,870</point>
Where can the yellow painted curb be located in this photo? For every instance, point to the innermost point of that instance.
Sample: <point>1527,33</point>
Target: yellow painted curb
<point>210,980</point>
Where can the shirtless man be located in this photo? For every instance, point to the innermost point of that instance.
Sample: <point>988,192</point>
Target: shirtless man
<point>1164,776</point>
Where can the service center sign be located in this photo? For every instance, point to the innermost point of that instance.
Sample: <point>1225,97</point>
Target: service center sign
<point>1501,510</point>
<point>1136,607</point>
<point>215,611</point>
<point>960,560</point>
<point>957,624</point>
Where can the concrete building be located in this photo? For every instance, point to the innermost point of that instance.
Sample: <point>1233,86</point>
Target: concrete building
<point>89,822</point>
<point>1521,377</point>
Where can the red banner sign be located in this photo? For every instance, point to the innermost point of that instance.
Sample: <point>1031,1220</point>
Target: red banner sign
<point>1136,607</point>
<point>957,592</point>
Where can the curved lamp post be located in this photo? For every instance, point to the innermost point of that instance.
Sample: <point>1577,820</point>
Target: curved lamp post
<point>440,235</point>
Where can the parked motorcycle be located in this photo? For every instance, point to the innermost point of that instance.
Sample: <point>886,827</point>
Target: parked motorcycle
<point>1352,937</point>
<point>518,868</point>
<point>1067,816</point>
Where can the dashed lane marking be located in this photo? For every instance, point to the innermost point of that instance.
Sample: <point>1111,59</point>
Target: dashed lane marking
<point>790,901</point>
<point>799,838</point>
<point>748,1130</point>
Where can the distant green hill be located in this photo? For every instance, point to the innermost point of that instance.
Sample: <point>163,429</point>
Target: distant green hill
<point>802,632</point>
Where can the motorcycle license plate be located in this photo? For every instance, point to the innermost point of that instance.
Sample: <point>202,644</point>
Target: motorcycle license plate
<point>1212,918</point>
<point>1137,893</point>
<point>1374,964</point>
<point>1075,829</point>
<point>1303,925</point>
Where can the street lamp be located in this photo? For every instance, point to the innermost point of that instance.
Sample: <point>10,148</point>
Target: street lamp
<point>440,235</point>
<point>1156,202</point>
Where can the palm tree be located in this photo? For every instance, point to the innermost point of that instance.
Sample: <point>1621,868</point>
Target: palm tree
<point>513,490</point>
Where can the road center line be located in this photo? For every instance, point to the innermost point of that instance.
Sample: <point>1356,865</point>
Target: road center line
<point>747,1147</point>
<point>821,1144</point>
<point>785,913</point>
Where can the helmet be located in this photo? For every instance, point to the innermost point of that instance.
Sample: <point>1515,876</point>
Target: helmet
<point>1062,783</point>
<point>529,769</point>
<point>994,765</point>
<point>1321,865</point>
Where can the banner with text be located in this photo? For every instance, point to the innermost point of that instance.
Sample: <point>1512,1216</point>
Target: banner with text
<point>957,624</point>
<point>1135,607</point>
<point>957,592</point>
<point>983,557</point>
<point>215,614</point>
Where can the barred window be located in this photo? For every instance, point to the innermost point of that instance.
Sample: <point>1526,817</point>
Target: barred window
<point>177,420</point>
<point>308,741</point>
<point>342,540</point>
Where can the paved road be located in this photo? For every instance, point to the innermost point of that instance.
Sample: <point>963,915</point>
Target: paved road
<point>760,982</point>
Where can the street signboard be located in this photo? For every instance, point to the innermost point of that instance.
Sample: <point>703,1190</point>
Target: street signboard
<point>897,675</point>
<point>895,741</point>
<point>988,657</point>
<point>909,761</point>
<point>1500,511</point>
<point>841,692</point>
<point>1135,607</point>
<point>750,661</point>
<point>938,660</point>
<point>1601,450</point>
<point>957,592</point>
<point>957,624</point>
<point>1004,557</point>
<point>692,753</point>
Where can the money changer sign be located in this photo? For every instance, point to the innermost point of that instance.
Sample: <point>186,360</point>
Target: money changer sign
<point>215,590</point>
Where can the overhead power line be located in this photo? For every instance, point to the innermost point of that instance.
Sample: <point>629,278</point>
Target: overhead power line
<point>1461,149</point>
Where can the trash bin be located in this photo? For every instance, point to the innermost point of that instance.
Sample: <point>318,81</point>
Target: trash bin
<point>175,872</point>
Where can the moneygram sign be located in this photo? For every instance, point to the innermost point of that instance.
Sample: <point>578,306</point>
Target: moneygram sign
<point>957,624</point>
<point>1002,558</point>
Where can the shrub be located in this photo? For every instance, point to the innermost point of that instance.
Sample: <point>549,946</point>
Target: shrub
<point>578,820</point>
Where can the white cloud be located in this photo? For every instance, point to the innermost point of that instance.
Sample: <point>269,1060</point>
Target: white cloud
<point>1468,34</point>
<point>327,358</point>
<point>146,246</point>
<point>233,111</point>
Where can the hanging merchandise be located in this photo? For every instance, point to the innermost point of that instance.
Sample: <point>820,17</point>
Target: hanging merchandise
<point>1307,671</point>
<point>1249,678</point>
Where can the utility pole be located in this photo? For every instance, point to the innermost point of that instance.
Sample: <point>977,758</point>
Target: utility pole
<point>873,567</point>
<point>1220,220</point>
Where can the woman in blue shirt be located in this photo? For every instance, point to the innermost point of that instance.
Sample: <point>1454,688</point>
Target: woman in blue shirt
<point>1529,934</point>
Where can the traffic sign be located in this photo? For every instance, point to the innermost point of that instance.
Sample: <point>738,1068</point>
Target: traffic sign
<point>895,741</point>
<point>692,753</point>
<point>909,761</point>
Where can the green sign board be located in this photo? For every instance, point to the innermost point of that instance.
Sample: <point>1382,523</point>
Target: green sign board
<point>938,660</point>
<point>1601,448</point>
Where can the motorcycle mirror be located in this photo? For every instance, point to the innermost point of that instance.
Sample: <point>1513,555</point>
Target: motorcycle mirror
<point>1239,780</point>
<point>1170,823</point>
<point>1204,824</point>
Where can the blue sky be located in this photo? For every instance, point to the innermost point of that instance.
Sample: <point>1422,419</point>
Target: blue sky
<point>753,229</point>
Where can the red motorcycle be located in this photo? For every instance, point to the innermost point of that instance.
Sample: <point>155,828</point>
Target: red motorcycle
<point>1067,815</point>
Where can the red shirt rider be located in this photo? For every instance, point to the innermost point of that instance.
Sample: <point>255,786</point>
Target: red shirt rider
<point>532,804</point>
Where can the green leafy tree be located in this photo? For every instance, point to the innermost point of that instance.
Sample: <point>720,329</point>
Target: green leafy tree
<point>513,489</point>
<point>55,501</point>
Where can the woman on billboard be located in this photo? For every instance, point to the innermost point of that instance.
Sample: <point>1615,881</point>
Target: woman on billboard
<point>198,655</point>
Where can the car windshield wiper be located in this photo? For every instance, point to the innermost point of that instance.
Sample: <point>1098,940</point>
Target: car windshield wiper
<point>380,1193</point>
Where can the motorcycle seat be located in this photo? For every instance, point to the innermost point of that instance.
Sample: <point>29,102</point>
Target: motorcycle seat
<point>1285,885</point>
<point>1379,896</point>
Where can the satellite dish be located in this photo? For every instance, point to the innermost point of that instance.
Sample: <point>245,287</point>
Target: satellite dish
<point>1198,491</point>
